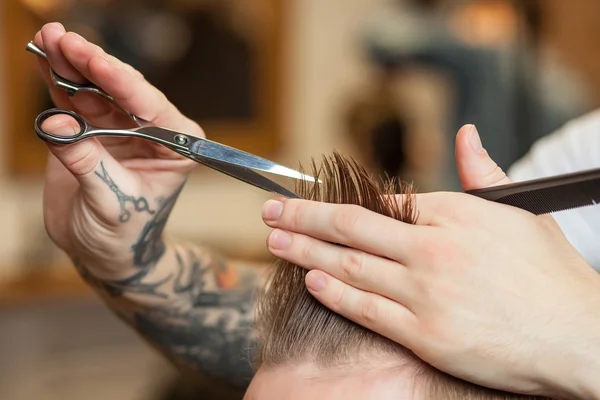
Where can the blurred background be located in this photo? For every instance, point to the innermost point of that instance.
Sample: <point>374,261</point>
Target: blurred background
<point>388,82</point>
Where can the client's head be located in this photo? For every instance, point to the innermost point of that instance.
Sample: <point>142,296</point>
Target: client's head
<point>306,351</point>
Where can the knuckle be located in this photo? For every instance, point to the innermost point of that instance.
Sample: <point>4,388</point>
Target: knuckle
<point>424,289</point>
<point>442,253</point>
<point>338,300</point>
<point>445,207</point>
<point>493,175</point>
<point>295,217</point>
<point>84,160</point>
<point>451,211</point>
<point>369,312</point>
<point>345,220</point>
<point>306,252</point>
<point>436,249</point>
<point>458,207</point>
<point>135,72</point>
<point>424,243</point>
<point>163,107</point>
<point>352,265</point>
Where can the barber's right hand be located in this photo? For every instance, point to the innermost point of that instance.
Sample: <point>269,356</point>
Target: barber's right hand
<point>106,202</point>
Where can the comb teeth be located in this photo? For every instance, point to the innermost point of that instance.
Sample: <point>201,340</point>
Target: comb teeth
<point>554,199</point>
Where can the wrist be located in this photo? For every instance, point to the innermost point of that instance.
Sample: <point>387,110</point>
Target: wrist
<point>584,382</point>
<point>577,379</point>
<point>115,263</point>
<point>575,370</point>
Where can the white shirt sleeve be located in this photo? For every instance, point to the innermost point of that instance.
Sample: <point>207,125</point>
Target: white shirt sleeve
<point>574,147</point>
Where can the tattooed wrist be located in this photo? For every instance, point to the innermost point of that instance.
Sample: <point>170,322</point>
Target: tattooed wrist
<point>131,262</point>
<point>190,303</point>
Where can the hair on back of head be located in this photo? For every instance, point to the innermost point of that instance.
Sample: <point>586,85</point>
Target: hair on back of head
<point>294,328</point>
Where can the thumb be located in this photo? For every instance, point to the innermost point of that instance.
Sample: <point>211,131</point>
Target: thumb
<point>476,169</point>
<point>83,159</point>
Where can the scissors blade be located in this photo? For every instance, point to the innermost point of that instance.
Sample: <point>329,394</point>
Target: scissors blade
<point>201,147</point>
<point>247,175</point>
<point>204,149</point>
<point>223,153</point>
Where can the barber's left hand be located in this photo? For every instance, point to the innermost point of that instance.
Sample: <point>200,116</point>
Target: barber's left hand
<point>483,291</point>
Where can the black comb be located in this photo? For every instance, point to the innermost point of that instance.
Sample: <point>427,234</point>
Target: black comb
<point>547,195</point>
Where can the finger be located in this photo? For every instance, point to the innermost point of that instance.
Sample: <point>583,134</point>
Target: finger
<point>51,36</point>
<point>124,84</point>
<point>475,167</point>
<point>346,224</point>
<point>92,105</point>
<point>59,96</point>
<point>85,159</point>
<point>73,44</point>
<point>354,267</point>
<point>374,312</point>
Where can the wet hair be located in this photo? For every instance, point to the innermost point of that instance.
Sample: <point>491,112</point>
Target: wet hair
<point>294,328</point>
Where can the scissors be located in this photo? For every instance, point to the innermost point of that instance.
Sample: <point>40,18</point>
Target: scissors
<point>225,159</point>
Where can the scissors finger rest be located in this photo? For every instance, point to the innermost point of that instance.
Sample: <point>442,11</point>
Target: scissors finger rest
<point>174,140</point>
<point>85,130</point>
<point>62,139</point>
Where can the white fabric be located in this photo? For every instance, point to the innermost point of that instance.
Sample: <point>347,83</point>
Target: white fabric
<point>574,147</point>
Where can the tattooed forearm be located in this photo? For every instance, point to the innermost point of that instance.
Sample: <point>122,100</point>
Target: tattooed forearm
<point>191,304</point>
<point>199,317</point>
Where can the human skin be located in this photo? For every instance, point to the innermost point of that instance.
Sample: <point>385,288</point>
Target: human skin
<point>483,291</point>
<point>193,305</point>
<point>364,381</point>
<point>122,253</point>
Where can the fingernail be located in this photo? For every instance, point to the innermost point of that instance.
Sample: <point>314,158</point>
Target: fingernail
<point>272,210</point>
<point>315,281</point>
<point>279,239</point>
<point>475,140</point>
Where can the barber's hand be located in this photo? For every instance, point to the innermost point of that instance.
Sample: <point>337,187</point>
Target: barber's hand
<point>106,201</point>
<point>483,291</point>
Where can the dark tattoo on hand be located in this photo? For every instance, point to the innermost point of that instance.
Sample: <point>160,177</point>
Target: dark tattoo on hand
<point>150,247</point>
<point>140,204</point>
<point>200,316</point>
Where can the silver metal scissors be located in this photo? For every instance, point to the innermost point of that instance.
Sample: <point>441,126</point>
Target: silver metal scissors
<point>225,159</point>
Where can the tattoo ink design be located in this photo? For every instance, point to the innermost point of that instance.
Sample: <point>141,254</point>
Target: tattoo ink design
<point>214,333</point>
<point>200,316</point>
<point>203,327</point>
<point>118,288</point>
<point>150,246</point>
<point>140,204</point>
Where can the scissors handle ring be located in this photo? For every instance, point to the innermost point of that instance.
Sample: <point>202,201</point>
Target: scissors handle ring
<point>54,139</point>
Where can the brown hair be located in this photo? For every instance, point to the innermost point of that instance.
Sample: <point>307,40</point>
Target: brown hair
<point>293,327</point>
